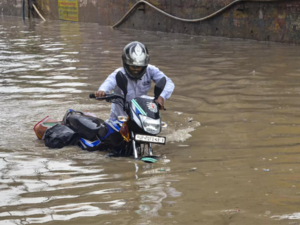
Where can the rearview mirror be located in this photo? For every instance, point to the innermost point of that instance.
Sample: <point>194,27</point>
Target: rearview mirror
<point>159,87</point>
<point>122,82</point>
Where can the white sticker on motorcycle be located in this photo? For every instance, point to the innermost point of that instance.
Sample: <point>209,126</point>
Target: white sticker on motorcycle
<point>152,107</point>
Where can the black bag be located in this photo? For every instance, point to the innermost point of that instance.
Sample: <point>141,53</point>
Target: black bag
<point>59,136</point>
<point>86,126</point>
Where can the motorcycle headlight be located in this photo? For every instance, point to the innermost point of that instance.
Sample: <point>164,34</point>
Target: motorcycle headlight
<point>150,125</point>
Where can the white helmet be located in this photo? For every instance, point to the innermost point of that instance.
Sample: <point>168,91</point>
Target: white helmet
<point>135,54</point>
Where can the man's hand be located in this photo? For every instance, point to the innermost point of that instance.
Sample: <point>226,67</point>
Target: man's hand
<point>99,94</point>
<point>161,102</point>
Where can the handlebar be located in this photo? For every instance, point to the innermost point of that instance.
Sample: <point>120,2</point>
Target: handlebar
<point>158,105</point>
<point>109,97</point>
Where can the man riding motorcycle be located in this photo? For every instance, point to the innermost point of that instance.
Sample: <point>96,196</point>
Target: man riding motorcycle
<point>134,81</point>
<point>136,68</point>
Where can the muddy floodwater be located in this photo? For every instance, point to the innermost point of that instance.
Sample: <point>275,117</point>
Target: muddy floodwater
<point>232,154</point>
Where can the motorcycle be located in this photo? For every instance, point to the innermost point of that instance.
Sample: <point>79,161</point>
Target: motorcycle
<point>132,134</point>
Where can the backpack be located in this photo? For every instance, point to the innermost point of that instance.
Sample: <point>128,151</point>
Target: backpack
<point>59,136</point>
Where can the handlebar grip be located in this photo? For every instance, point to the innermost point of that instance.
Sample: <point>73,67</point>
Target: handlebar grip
<point>92,95</point>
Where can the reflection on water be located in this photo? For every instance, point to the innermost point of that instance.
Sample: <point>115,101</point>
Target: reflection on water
<point>240,166</point>
<point>56,188</point>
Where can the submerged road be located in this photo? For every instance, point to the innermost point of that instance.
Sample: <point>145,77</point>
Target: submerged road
<point>232,155</point>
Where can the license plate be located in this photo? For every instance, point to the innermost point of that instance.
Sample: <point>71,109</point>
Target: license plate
<point>151,139</point>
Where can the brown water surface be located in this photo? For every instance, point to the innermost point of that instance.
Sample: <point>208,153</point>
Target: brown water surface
<point>240,166</point>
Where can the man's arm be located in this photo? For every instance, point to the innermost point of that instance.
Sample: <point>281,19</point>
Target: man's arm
<point>108,85</point>
<point>156,75</point>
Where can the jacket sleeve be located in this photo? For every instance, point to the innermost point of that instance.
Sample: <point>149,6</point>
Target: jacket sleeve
<point>110,83</point>
<point>156,75</point>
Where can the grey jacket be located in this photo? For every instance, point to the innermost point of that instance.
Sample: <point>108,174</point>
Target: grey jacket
<point>135,88</point>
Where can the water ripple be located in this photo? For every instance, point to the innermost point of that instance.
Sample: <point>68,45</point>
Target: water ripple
<point>244,94</point>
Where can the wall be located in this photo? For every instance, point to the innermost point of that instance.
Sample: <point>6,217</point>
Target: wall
<point>88,10</point>
<point>260,20</point>
<point>12,8</point>
<point>263,20</point>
